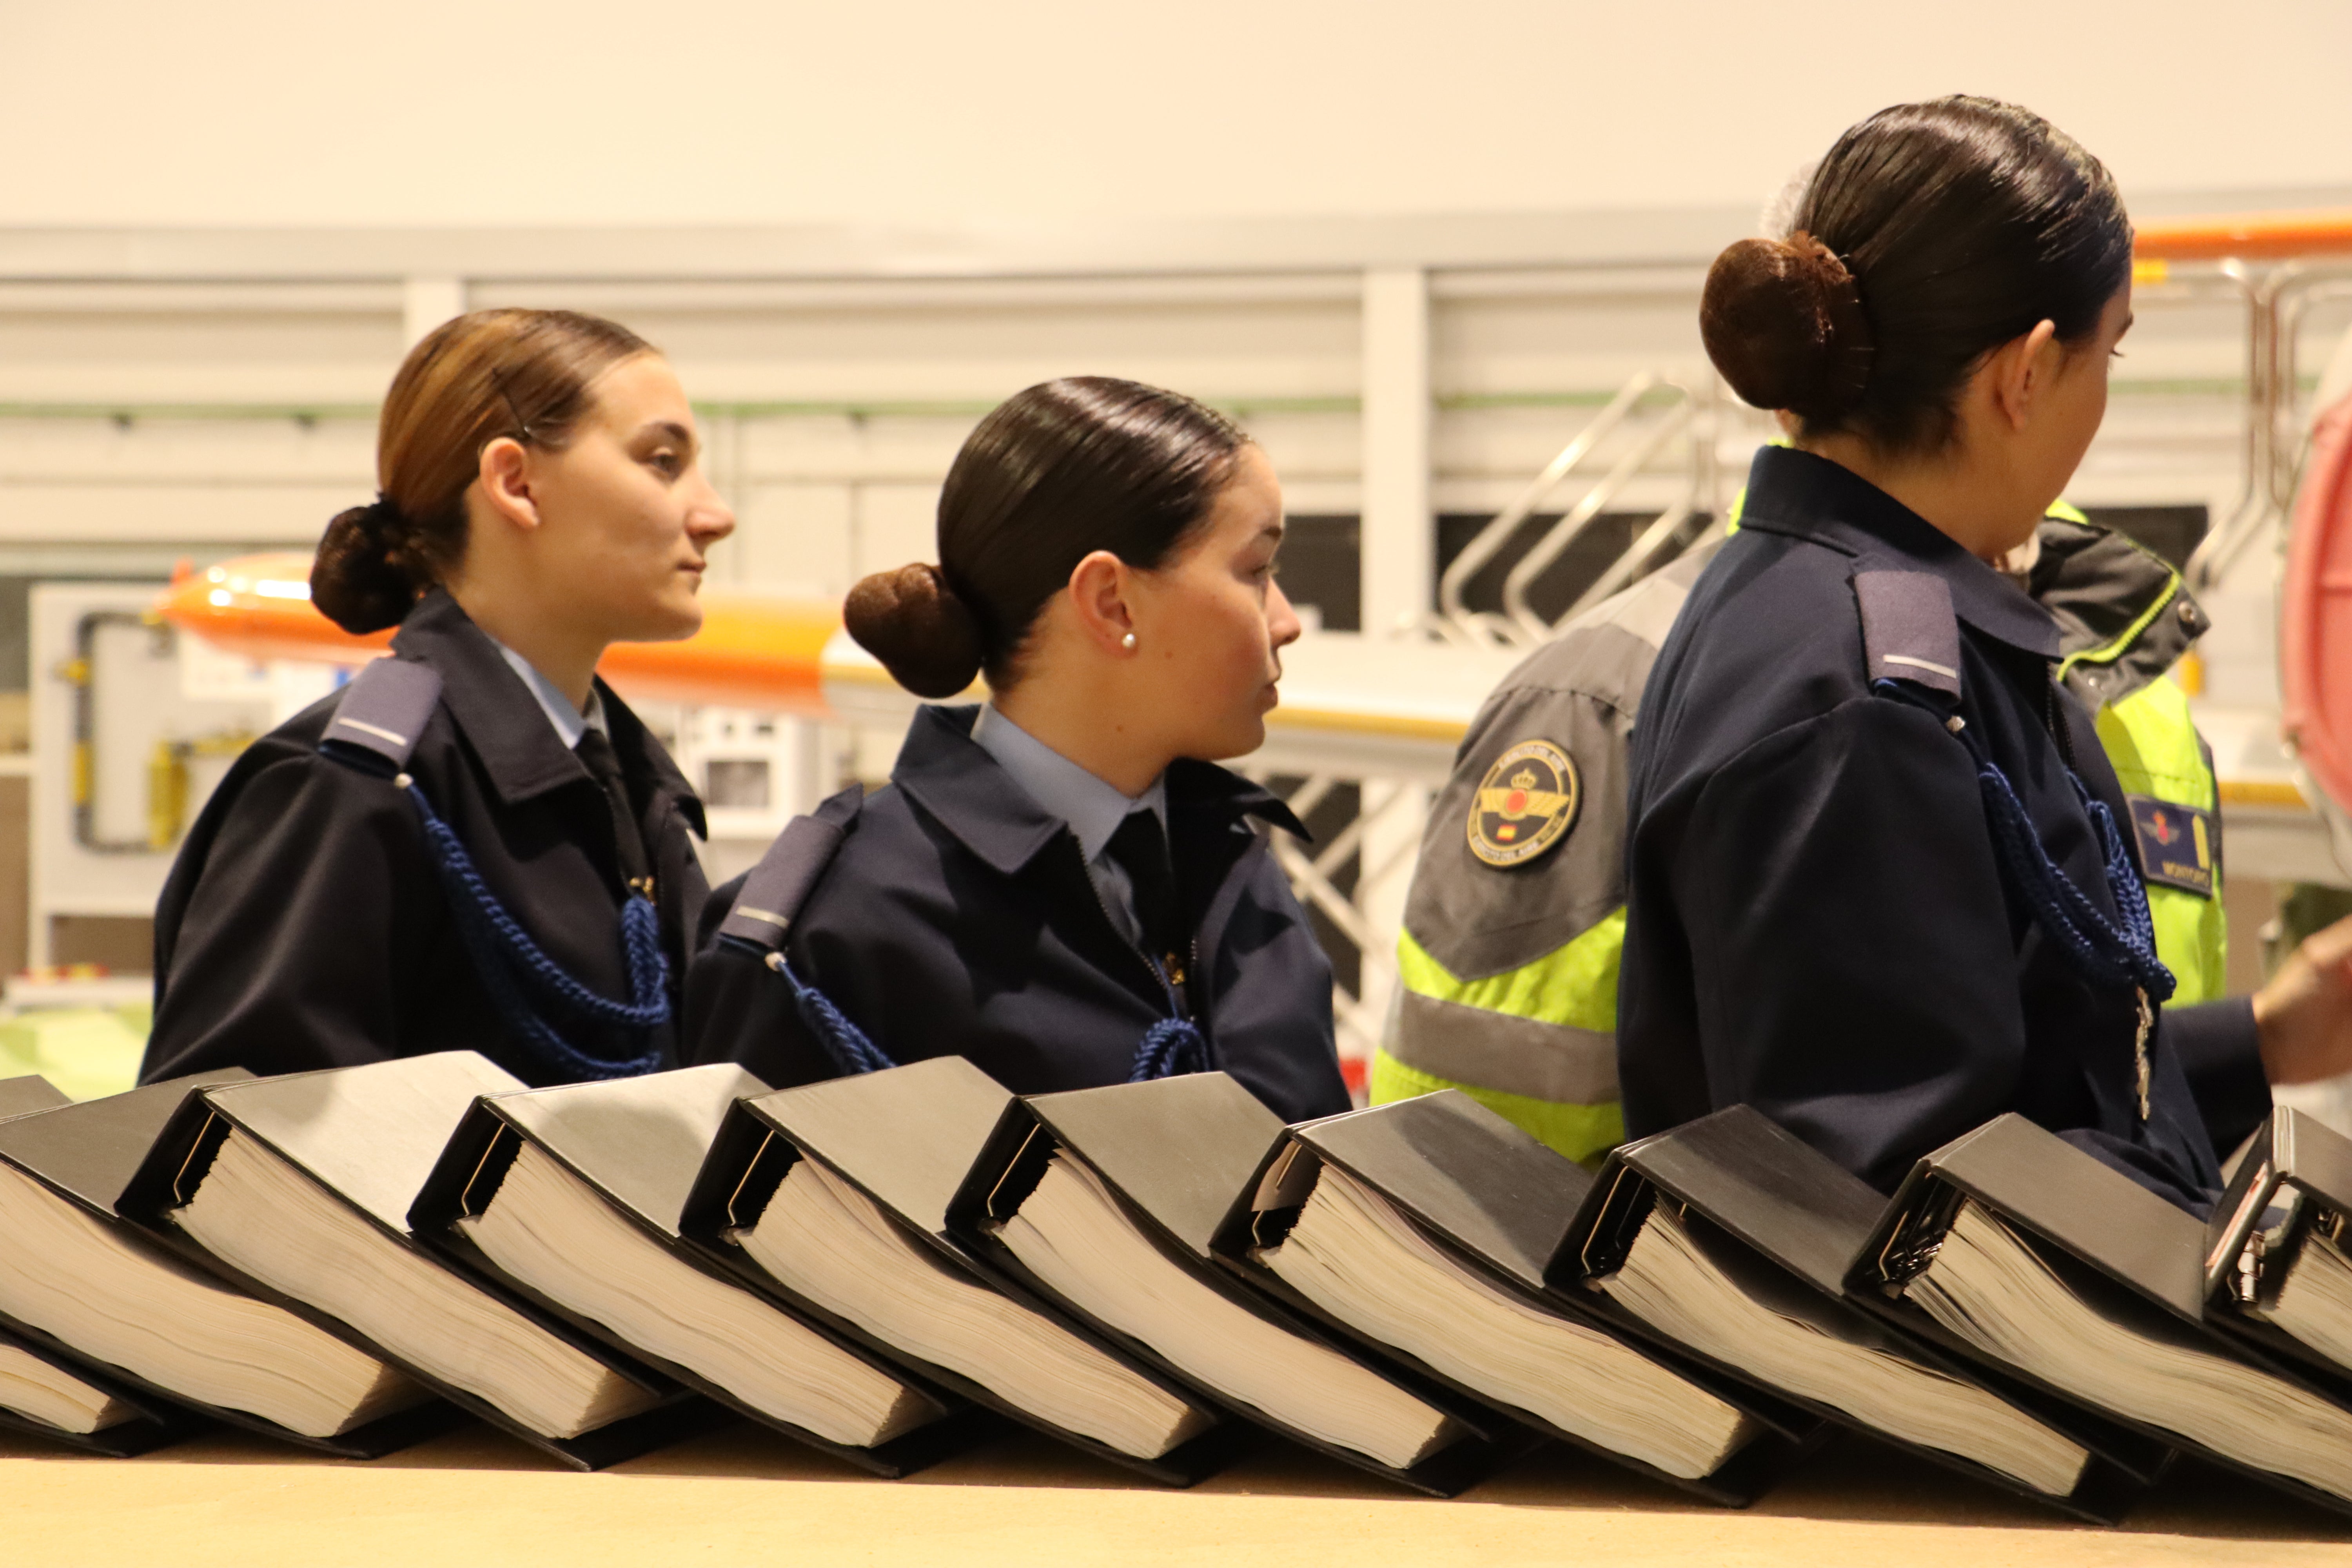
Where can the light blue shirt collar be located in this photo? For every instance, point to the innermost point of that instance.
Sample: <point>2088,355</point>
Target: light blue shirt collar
<point>569,721</point>
<point>1093,808</point>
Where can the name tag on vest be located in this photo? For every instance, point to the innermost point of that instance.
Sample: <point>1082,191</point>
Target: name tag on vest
<point>2176,844</point>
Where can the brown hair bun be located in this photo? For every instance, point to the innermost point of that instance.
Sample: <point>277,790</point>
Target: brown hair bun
<point>361,578</point>
<point>1782,320</point>
<point>912,621</point>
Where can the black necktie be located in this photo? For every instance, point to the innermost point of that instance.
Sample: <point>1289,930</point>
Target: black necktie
<point>603,764</point>
<point>1140,849</point>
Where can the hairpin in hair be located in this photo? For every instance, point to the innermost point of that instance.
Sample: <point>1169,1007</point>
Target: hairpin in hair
<point>522,426</point>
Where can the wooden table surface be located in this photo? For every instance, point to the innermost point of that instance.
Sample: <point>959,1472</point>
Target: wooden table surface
<point>477,1499</point>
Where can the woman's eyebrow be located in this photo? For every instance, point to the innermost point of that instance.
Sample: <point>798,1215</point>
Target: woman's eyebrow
<point>674,430</point>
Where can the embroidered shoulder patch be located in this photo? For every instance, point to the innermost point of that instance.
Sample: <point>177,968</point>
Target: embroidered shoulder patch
<point>2176,844</point>
<point>1525,805</point>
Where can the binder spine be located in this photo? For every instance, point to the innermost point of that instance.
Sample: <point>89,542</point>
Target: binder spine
<point>177,1163</point>
<point>1009,1169</point>
<point>748,1162</point>
<point>2107,1488</point>
<point>463,1185</point>
<point>1737,1484</point>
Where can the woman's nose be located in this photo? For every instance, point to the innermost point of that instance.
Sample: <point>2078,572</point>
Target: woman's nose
<point>710,519</point>
<point>1282,623</point>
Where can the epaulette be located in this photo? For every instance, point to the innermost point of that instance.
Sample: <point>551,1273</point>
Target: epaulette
<point>383,712</point>
<point>1910,631</point>
<point>779,884</point>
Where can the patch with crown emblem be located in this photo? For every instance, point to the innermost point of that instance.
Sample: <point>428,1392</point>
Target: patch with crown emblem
<point>2177,843</point>
<point>1524,805</point>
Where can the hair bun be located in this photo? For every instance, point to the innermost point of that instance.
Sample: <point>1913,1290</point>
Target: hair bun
<point>359,579</point>
<point>1782,320</point>
<point>910,619</point>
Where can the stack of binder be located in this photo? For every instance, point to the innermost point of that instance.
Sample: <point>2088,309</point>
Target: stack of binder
<point>1731,1239</point>
<point>2278,1262</point>
<point>79,1283</point>
<point>45,1393</point>
<point>2033,1258</point>
<point>888,1268</point>
<point>834,1197</point>
<point>1422,1228</point>
<point>571,1198</point>
<point>295,1189</point>
<point>1105,1201</point>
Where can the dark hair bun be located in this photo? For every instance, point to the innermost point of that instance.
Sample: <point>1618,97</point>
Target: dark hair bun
<point>1783,322</point>
<point>357,581</point>
<point>925,635</point>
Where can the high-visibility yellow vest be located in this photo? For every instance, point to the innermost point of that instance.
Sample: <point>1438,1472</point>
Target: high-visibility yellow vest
<point>1519,1036</point>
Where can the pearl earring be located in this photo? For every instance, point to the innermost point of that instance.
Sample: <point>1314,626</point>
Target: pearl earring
<point>1127,642</point>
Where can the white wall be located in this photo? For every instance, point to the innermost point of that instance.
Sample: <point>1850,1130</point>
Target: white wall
<point>722,111</point>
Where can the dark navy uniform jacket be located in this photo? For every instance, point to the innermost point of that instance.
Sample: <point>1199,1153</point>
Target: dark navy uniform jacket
<point>957,918</point>
<point>1817,925</point>
<point>304,925</point>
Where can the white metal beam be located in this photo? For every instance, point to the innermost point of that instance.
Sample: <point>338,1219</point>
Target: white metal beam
<point>1399,566</point>
<point>1399,537</point>
<point>1687,237</point>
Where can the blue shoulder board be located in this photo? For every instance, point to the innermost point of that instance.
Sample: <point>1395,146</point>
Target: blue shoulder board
<point>383,712</point>
<point>1909,632</point>
<point>779,884</point>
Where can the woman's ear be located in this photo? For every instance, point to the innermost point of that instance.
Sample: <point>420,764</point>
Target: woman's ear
<point>504,480</point>
<point>2022,371</point>
<point>1098,596</point>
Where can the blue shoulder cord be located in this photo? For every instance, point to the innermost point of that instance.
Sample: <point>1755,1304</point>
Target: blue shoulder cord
<point>2102,952</point>
<point>844,1041</point>
<point>374,728</point>
<point>511,964</point>
<point>1174,1045</point>
<point>769,900</point>
<point>1170,1047</point>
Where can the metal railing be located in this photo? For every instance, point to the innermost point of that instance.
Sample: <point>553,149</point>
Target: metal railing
<point>1315,876</point>
<point>1687,416</point>
<point>2278,298</point>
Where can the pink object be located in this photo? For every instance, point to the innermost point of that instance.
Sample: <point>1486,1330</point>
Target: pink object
<point>2316,610</point>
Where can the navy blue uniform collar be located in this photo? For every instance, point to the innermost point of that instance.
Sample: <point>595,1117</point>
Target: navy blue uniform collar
<point>943,770</point>
<point>504,724</point>
<point>1805,497</point>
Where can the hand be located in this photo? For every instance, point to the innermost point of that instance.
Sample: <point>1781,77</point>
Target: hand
<point>2304,1015</point>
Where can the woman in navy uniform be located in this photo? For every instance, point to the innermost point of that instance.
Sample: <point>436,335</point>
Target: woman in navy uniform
<point>540,499</point>
<point>1059,886</point>
<point>1880,885</point>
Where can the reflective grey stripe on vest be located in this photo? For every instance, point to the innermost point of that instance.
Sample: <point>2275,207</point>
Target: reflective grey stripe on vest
<point>1496,1050</point>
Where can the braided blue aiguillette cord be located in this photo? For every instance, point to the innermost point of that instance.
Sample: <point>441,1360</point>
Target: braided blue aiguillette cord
<point>640,937</point>
<point>2126,957</point>
<point>844,1041</point>
<point>2097,950</point>
<point>1170,1047</point>
<point>505,955</point>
